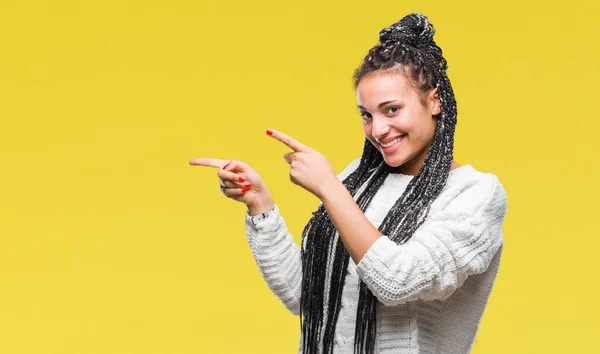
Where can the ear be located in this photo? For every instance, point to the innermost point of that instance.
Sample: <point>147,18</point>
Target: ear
<point>434,102</point>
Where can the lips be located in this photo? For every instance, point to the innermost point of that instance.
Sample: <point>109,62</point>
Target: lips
<point>388,140</point>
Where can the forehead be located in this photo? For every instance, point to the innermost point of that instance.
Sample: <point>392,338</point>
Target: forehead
<point>374,88</point>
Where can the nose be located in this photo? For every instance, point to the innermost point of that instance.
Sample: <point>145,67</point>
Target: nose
<point>379,127</point>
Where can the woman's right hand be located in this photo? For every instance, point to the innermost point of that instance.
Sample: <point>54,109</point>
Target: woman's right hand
<point>241,183</point>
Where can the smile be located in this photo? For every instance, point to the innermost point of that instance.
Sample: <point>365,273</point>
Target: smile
<point>392,146</point>
<point>393,142</point>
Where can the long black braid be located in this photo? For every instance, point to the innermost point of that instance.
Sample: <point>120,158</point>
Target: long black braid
<point>407,46</point>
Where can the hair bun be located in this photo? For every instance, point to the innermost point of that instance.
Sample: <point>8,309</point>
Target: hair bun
<point>414,30</point>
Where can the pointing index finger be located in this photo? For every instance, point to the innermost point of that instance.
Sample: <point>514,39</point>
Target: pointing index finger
<point>209,162</point>
<point>288,140</point>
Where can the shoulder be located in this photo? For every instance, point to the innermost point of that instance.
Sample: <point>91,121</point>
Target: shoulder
<point>471,192</point>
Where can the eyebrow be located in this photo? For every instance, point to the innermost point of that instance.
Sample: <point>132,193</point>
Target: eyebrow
<point>379,105</point>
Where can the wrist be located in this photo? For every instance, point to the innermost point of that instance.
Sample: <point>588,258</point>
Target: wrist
<point>261,205</point>
<point>329,188</point>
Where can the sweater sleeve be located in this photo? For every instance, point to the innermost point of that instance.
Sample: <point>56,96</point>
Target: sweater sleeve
<point>457,241</point>
<point>278,256</point>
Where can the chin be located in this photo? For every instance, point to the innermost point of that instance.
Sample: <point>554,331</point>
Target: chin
<point>393,161</point>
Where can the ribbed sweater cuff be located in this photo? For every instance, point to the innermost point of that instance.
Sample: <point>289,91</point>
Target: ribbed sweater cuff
<point>270,223</point>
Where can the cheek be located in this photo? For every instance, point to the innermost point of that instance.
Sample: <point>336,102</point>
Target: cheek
<point>431,127</point>
<point>427,131</point>
<point>367,130</point>
<point>423,122</point>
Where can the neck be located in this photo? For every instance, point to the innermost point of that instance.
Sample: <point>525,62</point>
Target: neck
<point>407,169</point>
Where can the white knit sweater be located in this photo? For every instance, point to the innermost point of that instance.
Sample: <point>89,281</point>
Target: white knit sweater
<point>432,290</point>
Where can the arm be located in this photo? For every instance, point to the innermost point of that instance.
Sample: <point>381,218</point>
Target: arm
<point>357,232</point>
<point>458,241</point>
<point>278,256</point>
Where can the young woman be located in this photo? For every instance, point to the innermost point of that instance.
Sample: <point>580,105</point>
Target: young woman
<point>402,253</point>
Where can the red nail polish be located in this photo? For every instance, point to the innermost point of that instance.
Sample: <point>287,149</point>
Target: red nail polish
<point>243,191</point>
<point>269,132</point>
<point>242,179</point>
<point>247,185</point>
<point>224,167</point>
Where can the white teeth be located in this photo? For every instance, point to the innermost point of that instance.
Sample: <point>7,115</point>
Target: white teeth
<point>391,143</point>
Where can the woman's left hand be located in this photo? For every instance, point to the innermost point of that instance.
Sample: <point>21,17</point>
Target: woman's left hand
<point>308,168</point>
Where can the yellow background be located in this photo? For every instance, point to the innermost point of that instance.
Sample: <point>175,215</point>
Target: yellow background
<point>111,243</point>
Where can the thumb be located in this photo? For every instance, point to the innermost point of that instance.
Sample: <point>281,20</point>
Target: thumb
<point>288,156</point>
<point>241,169</point>
<point>236,166</point>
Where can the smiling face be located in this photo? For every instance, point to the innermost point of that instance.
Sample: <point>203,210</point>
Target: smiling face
<point>397,118</point>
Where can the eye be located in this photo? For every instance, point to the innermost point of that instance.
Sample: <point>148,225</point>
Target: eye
<point>365,116</point>
<point>393,110</point>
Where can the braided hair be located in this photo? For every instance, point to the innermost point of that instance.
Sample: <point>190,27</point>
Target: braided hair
<point>407,45</point>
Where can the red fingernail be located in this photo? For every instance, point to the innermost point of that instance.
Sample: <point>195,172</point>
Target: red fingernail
<point>242,179</point>
<point>247,185</point>
<point>224,167</point>
<point>269,132</point>
<point>243,191</point>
